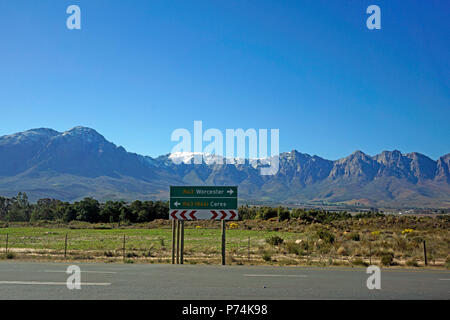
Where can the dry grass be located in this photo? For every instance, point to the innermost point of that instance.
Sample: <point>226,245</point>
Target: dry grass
<point>343,243</point>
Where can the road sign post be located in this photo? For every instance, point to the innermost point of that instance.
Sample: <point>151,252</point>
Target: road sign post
<point>178,242</point>
<point>202,203</point>
<point>182,242</point>
<point>223,241</point>
<point>173,241</point>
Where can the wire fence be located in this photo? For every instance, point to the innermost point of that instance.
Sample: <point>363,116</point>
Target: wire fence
<point>200,246</point>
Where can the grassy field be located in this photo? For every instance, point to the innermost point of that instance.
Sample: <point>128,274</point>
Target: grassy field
<point>388,241</point>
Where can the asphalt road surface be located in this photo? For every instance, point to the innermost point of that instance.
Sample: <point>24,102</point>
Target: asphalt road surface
<point>25,280</point>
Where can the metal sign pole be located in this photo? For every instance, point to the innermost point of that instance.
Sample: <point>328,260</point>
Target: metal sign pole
<point>178,241</point>
<point>223,242</point>
<point>182,242</point>
<point>173,241</point>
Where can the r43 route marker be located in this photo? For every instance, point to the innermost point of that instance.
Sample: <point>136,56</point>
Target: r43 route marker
<point>203,203</point>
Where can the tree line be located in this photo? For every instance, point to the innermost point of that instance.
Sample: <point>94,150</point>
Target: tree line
<point>19,208</point>
<point>308,215</point>
<point>89,210</point>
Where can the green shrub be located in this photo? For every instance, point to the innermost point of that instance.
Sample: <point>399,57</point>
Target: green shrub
<point>294,248</point>
<point>417,240</point>
<point>342,251</point>
<point>354,236</point>
<point>326,236</point>
<point>400,244</point>
<point>283,214</point>
<point>266,256</point>
<point>412,263</point>
<point>102,227</point>
<point>305,245</point>
<point>296,213</point>
<point>447,263</point>
<point>274,240</point>
<point>109,254</point>
<point>148,254</point>
<point>10,256</point>
<point>131,255</point>
<point>368,215</point>
<point>267,213</point>
<point>360,262</point>
<point>320,216</point>
<point>83,257</point>
<point>387,259</point>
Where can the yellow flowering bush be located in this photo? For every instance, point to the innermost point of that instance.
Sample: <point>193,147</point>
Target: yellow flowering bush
<point>234,225</point>
<point>376,233</point>
<point>407,231</point>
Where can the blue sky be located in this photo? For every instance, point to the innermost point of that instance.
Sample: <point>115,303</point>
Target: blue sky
<point>137,70</point>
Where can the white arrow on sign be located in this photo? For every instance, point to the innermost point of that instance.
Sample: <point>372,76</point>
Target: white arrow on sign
<point>176,204</point>
<point>230,192</point>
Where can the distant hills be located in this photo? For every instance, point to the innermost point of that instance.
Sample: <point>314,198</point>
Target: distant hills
<point>81,162</point>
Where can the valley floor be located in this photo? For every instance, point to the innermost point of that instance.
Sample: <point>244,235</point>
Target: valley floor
<point>387,241</point>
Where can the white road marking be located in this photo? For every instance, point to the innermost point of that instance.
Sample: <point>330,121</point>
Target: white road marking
<point>276,275</point>
<point>51,271</point>
<point>53,283</point>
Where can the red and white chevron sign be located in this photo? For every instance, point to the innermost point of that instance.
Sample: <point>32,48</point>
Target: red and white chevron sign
<point>203,214</point>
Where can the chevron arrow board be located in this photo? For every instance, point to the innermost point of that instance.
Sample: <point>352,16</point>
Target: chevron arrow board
<point>203,214</point>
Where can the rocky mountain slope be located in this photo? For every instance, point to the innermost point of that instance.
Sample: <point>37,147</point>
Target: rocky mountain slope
<point>81,162</point>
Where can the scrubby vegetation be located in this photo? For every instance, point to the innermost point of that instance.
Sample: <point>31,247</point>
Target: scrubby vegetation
<point>387,258</point>
<point>274,240</point>
<point>264,235</point>
<point>289,242</point>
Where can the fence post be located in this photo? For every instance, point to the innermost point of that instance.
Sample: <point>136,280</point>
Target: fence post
<point>6,247</point>
<point>123,247</point>
<point>65,247</point>
<point>248,249</point>
<point>425,252</point>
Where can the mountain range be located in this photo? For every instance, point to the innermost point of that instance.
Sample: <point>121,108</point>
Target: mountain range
<point>80,162</point>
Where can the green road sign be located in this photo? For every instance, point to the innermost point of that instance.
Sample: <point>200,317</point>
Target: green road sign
<point>197,191</point>
<point>203,203</point>
<point>199,197</point>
